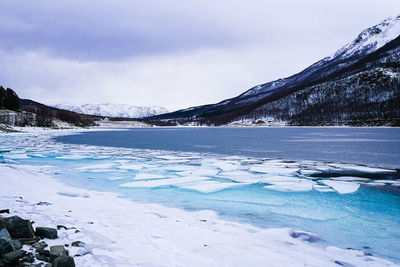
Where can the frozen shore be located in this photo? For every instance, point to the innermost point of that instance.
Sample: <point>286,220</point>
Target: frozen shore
<point>119,232</point>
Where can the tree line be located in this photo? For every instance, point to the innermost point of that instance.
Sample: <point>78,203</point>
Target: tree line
<point>45,115</point>
<point>9,99</point>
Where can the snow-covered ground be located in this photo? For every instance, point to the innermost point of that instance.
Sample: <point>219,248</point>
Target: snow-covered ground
<point>119,232</point>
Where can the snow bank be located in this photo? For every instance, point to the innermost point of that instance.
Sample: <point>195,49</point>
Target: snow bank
<point>119,232</point>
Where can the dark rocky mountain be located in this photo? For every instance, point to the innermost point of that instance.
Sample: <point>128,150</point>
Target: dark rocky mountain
<point>358,85</point>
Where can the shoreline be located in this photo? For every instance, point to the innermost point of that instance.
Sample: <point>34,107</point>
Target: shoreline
<point>120,232</point>
<point>9,129</point>
<point>166,236</point>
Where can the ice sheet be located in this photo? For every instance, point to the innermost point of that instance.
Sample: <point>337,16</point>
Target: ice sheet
<point>119,232</point>
<point>342,187</point>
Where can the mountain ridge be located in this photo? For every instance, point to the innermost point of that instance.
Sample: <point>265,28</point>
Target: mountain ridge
<point>112,110</point>
<point>369,43</point>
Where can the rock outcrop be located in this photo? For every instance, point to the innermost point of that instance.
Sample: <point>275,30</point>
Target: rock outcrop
<point>14,118</point>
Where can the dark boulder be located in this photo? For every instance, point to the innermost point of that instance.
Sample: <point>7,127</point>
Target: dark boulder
<point>5,234</point>
<point>17,244</point>
<point>28,258</point>
<point>39,245</point>
<point>56,251</point>
<point>44,252</point>
<point>42,258</point>
<point>29,241</point>
<point>13,257</point>
<point>60,226</point>
<point>305,236</point>
<point>64,261</point>
<point>3,223</point>
<point>46,232</point>
<point>6,246</point>
<point>19,228</point>
<point>78,244</point>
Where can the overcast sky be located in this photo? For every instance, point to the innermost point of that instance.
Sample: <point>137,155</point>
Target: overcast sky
<point>173,53</point>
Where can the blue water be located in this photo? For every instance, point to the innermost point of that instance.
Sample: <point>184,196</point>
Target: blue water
<point>369,146</point>
<point>367,219</point>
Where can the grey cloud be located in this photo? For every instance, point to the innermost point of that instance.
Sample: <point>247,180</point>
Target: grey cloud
<point>169,52</point>
<point>98,30</point>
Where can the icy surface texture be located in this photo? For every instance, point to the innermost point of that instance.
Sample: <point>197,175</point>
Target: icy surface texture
<point>346,205</point>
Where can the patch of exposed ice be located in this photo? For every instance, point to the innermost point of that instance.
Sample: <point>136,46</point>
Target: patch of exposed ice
<point>163,182</point>
<point>225,166</point>
<point>72,194</point>
<point>297,185</point>
<point>322,188</point>
<point>350,178</point>
<point>341,186</point>
<point>105,166</point>
<point>143,176</point>
<point>359,168</point>
<point>209,186</point>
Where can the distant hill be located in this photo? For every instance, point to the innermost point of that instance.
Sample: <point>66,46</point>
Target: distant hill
<point>113,110</point>
<point>358,85</point>
<point>25,112</point>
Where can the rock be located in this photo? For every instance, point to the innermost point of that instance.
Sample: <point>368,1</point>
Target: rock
<point>19,228</point>
<point>44,252</point>
<point>43,203</point>
<point>345,264</point>
<point>28,258</point>
<point>56,251</point>
<point>39,245</point>
<point>42,258</point>
<point>5,211</point>
<point>305,236</point>
<point>17,244</point>
<point>12,257</point>
<point>29,241</point>
<point>78,244</point>
<point>64,261</point>
<point>6,246</point>
<point>61,227</point>
<point>5,234</point>
<point>47,232</point>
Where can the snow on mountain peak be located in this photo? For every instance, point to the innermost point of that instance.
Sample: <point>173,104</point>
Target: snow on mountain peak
<point>371,39</point>
<point>113,110</point>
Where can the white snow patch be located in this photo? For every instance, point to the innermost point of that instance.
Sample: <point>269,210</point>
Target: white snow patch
<point>119,232</point>
<point>342,187</point>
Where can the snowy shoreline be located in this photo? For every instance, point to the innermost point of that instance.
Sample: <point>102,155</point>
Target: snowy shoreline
<point>120,232</point>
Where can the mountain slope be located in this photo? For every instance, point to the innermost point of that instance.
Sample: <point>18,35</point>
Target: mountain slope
<point>113,110</point>
<point>359,84</point>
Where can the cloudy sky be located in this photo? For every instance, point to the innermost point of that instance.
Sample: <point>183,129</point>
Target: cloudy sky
<point>172,53</point>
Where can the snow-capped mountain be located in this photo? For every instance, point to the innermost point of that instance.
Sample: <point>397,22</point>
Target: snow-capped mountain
<point>367,42</point>
<point>113,110</point>
<point>359,84</point>
<point>371,39</point>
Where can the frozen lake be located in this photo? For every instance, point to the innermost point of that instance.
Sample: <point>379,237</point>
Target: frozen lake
<point>317,185</point>
<point>369,146</point>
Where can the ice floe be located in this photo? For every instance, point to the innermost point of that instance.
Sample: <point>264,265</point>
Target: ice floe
<point>342,187</point>
<point>298,185</point>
